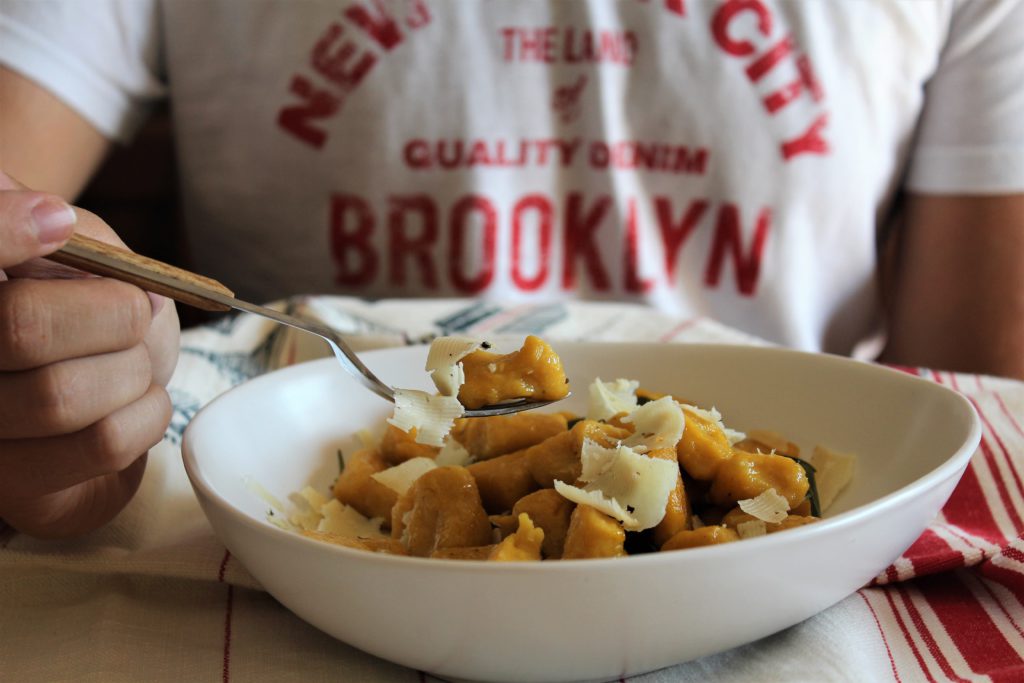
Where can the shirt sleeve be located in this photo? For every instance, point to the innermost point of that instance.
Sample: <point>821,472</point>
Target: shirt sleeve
<point>101,57</point>
<point>971,133</point>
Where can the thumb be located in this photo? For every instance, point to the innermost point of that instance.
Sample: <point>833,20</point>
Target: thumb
<point>32,224</point>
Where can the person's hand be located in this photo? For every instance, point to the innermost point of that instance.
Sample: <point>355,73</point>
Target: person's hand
<point>83,366</point>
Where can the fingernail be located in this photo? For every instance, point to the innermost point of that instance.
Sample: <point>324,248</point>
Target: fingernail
<point>157,302</point>
<point>54,220</point>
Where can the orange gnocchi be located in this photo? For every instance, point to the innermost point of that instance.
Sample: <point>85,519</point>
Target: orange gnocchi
<point>638,472</point>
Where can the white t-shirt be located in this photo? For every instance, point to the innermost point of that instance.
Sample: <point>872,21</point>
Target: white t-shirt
<point>732,159</point>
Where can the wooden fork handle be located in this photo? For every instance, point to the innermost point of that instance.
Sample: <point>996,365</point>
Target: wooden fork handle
<point>100,258</point>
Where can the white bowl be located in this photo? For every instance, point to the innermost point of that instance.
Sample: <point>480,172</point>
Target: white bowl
<point>586,619</point>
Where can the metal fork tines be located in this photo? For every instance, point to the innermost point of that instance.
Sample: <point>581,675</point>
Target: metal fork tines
<point>189,288</point>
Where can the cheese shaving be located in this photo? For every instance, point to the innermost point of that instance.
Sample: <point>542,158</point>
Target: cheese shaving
<point>257,488</point>
<point>276,515</point>
<point>657,424</point>
<point>343,520</point>
<point>449,379</point>
<point>596,500</point>
<point>768,507</point>
<point>733,435</point>
<point>313,511</point>
<point>432,416</point>
<point>833,473</point>
<point>453,453</point>
<point>280,522</point>
<point>443,362</point>
<point>607,399</point>
<point>634,487</point>
<point>400,477</point>
<point>406,518</point>
<point>775,441</point>
<point>751,528</point>
<point>303,516</point>
<point>449,351</point>
<point>314,498</point>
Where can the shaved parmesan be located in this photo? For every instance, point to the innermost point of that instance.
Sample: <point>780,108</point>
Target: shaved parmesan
<point>596,500</point>
<point>432,416</point>
<point>343,520</point>
<point>607,399</point>
<point>305,518</point>
<point>443,362</point>
<point>314,498</point>
<point>733,435</point>
<point>751,528</point>
<point>773,440</point>
<point>406,518</point>
<point>833,473</point>
<point>308,503</point>
<point>658,424</point>
<point>453,453</point>
<point>276,515</point>
<point>635,487</point>
<point>267,497</point>
<point>449,351</point>
<point>448,379</point>
<point>400,477</point>
<point>312,511</point>
<point>279,522</point>
<point>768,507</point>
<point>597,460</point>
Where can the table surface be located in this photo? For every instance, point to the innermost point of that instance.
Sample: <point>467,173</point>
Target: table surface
<point>154,596</point>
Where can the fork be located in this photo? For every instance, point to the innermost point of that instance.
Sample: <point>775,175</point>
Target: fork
<point>99,258</point>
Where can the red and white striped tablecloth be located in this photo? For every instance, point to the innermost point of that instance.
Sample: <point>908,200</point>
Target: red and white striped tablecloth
<point>155,597</point>
<point>951,607</point>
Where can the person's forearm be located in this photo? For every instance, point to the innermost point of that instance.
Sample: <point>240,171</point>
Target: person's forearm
<point>43,142</point>
<point>957,295</point>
